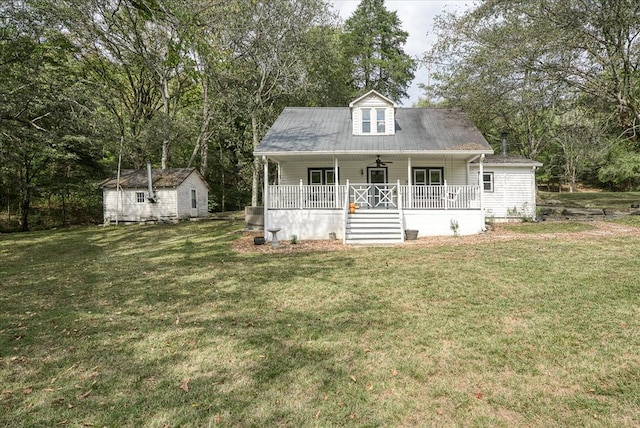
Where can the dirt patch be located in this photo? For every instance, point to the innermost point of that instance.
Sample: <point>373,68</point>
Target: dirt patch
<point>498,233</point>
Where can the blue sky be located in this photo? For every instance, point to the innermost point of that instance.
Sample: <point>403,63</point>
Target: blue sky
<point>417,19</point>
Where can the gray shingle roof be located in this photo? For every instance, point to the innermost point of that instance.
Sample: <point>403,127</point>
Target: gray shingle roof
<point>498,159</point>
<point>137,178</point>
<point>329,130</point>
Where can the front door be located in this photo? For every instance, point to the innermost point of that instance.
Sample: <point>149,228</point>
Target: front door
<point>377,176</point>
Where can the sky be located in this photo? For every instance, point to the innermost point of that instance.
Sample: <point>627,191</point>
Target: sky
<point>417,19</point>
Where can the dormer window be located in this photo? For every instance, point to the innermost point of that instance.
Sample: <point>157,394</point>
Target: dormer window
<point>380,120</point>
<point>373,114</point>
<point>366,120</point>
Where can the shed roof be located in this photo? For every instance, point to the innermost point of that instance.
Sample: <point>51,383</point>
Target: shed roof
<point>161,178</point>
<point>329,130</point>
<point>510,160</point>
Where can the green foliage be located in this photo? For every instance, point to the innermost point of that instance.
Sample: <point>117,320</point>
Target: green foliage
<point>622,171</point>
<point>373,43</point>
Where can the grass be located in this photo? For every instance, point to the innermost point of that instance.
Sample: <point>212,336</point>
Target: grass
<point>619,201</point>
<point>167,326</point>
<point>548,227</point>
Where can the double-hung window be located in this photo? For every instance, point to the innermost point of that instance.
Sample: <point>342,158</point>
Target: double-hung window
<point>321,176</point>
<point>374,121</point>
<point>487,181</point>
<point>429,176</point>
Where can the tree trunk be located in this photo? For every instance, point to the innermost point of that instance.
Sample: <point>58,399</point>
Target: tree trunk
<point>165,137</point>
<point>255,184</point>
<point>24,210</point>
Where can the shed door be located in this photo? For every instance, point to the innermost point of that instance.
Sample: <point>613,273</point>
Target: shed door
<point>194,203</point>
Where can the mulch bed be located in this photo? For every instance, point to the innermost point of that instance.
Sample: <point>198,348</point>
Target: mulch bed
<point>499,233</point>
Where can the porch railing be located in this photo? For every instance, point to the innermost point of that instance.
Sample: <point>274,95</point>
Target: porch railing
<point>441,197</point>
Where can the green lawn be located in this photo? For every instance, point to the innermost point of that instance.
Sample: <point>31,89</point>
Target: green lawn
<point>166,326</point>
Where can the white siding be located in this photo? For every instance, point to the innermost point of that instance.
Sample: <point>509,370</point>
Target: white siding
<point>184,196</point>
<point>513,195</point>
<point>439,223</point>
<point>130,210</point>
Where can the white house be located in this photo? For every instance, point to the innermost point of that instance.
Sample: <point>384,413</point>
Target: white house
<point>155,195</point>
<point>368,172</point>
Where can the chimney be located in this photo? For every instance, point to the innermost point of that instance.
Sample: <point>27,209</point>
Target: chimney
<point>152,196</point>
<point>504,143</point>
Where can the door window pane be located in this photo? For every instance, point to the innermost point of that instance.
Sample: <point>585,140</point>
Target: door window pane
<point>316,176</point>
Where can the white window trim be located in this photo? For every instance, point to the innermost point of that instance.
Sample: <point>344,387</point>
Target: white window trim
<point>490,182</point>
<point>137,199</point>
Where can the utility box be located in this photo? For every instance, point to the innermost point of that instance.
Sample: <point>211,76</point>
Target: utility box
<point>254,218</point>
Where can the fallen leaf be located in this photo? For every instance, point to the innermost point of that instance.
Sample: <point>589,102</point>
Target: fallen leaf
<point>479,395</point>
<point>353,378</point>
<point>27,390</point>
<point>185,385</point>
<point>394,372</point>
<point>317,415</point>
<point>352,416</point>
<point>370,386</point>
<point>85,395</point>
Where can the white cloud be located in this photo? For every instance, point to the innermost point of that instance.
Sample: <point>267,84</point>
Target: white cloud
<point>417,19</point>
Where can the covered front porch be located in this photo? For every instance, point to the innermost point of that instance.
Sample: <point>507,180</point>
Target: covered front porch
<point>317,197</point>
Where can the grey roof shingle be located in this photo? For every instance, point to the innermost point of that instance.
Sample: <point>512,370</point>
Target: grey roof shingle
<point>329,130</point>
<point>137,178</point>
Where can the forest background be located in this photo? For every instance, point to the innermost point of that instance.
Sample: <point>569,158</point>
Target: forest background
<point>86,85</point>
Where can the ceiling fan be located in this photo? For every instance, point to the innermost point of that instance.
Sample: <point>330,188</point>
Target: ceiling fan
<point>379,162</point>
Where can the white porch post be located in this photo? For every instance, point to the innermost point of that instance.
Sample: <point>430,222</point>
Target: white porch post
<point>301,194</point>
<point>336,180</point>
<point>265,195</point>
<point>409,182</point>
<point>481,185</point>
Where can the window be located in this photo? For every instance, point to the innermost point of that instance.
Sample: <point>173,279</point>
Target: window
<point>140,198</point>
<point>431,176</point>
<point>194,199</point>
<point>487,181</point>
<point>366,120</point>
<point>320,176</point>
<point>380,120</point>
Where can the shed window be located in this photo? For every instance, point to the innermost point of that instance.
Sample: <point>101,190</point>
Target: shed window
<point>194,199</point>
<point>140,198</point>
<point>487,181</point>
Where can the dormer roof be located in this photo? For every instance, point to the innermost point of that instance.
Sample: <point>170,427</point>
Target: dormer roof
<point>373,94</point>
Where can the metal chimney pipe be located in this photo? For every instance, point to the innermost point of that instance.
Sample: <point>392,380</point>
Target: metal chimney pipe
<point>152,196</point>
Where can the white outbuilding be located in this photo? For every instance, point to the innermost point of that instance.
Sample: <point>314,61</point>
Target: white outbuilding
<point>155,195</point>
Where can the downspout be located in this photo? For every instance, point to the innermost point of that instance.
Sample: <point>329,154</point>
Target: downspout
<point>265,195</point>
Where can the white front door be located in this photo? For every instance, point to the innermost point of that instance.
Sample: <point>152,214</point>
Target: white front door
<point>194,203</point>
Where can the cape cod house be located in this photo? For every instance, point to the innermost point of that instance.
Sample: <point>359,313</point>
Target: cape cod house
<point>155,195</point>
<point>368,172</point>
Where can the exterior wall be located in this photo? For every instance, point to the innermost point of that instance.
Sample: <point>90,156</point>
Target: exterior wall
<point>455,171</point>
<point>184,197</point>
<point>439,223</point>
<point>130,210</point>
<point>306,224</point>
<point>172,204</point>
<point>317,224</point>
<point>514,193</point>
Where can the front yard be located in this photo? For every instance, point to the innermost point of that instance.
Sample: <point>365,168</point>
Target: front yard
<point>170,326</point>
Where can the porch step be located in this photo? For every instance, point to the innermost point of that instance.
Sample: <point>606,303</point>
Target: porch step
<point>366,227</point>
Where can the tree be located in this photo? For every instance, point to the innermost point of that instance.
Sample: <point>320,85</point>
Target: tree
<point>373,43</point>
